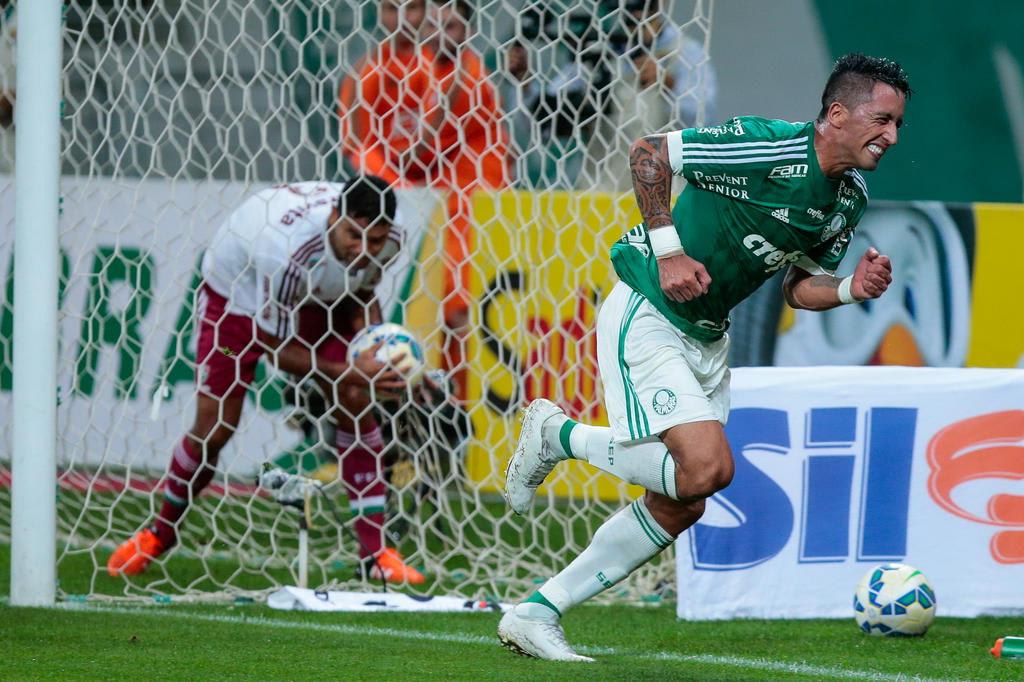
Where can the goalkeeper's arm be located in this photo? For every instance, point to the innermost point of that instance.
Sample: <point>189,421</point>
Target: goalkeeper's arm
<point>295,357</point>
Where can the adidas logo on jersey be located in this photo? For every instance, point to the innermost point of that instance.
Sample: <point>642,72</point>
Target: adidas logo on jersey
<point>781,214</point>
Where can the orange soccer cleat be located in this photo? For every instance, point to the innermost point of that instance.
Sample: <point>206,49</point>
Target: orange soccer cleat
<point>132,556</point>
<point>395,570</point>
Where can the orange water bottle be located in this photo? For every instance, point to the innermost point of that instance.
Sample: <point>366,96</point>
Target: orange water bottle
<point>1011,648</point>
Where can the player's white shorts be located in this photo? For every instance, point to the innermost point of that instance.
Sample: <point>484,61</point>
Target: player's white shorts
<point>655,376</point>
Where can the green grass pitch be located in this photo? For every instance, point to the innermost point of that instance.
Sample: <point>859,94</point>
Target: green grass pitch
<point>173,642</point>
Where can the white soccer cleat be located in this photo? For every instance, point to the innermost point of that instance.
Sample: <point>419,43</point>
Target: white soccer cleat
<point>539,638</point>
<point>532,460</point>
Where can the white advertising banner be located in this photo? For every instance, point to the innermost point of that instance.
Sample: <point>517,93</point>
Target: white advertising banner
<point>840,469</point>
<point>130,251</point>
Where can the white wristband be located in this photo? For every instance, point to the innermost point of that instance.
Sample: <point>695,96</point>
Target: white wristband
<point>665,242</point>
<point>845,295</point>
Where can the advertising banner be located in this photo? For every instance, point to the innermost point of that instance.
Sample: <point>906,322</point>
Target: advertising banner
<point>840,469</point>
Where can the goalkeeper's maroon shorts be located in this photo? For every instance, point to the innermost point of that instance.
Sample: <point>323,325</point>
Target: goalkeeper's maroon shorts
<point>228,348</point>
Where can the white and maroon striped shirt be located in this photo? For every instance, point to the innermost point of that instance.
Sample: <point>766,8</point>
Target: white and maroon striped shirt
<point>271,256</point>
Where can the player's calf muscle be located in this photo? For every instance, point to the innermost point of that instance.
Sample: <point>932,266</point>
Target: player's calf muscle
<point>672,515</point>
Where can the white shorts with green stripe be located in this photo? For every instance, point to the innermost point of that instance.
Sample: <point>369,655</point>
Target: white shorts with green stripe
<point>654,375</point>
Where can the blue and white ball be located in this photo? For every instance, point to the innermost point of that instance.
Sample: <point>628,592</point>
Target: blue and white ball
<point>894,600</point>
<point>400,350</point>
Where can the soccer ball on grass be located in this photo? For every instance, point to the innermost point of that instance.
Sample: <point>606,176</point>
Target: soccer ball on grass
<point>894,600</point>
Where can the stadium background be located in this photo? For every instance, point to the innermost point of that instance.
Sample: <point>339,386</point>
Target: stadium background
<point>947,201</point>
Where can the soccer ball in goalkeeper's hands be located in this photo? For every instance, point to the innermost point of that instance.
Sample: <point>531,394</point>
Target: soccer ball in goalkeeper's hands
<point>894,600</point>
<point>400,349</point>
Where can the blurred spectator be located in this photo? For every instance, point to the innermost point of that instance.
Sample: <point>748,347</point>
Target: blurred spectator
<point>385,105</point>
<point>664,78</point>
<point>520,93</point>
<point>471,154</point>
<point>573,101</point>
<point>8,32</point>
<point>421,111</point>
<point>674,61</point>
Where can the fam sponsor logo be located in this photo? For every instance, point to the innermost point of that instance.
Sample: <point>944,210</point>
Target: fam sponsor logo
<point>722,183</point>
<point>795,170</point>
<point>773,256</point>
<point>733,127</point>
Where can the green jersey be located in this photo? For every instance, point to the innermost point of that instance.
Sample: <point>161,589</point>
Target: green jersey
<point>756,201</point>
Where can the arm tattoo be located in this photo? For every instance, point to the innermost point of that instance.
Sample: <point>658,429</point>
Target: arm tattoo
<point>797,279</point>
<point>652,181</point>
<point>824,282</point>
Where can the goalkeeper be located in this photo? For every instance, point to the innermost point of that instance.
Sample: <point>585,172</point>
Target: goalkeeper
<point>290,275</point>
<point>762,195</point>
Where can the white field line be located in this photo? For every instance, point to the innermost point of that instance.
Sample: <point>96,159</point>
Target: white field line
<point>760,664</point>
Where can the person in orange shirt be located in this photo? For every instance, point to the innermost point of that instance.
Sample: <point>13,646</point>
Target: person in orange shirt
<point>471,154</point>
<point>425,114</point>
<point>384,106</point>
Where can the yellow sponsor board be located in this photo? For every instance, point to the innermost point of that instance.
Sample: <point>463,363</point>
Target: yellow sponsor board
<point>997,309</point>
<point>537,284</point>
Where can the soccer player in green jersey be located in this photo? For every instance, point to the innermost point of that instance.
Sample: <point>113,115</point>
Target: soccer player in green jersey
<point>762,195</point>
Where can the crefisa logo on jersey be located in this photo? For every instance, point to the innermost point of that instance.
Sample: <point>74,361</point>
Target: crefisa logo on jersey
<point>834,227</point>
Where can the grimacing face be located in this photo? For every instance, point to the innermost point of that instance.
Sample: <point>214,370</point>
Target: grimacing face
<point>870,128</point>
<point>355,240</point>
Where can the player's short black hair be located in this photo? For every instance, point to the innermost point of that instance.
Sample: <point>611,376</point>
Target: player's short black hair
<point>854,77</point>
<point>370,197</point>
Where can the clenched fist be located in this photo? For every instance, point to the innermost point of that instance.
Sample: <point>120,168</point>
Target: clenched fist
<point>872,276</point>
<point>683,278</point>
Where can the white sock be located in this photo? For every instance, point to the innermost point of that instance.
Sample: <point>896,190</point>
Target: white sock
<point>626,541</point>
<point>647,463</point>
<point>574,440</point>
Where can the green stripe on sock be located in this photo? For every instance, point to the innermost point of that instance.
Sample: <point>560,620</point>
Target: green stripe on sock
<point>664,483</point>
<point>563,437</point>
<point>366,510</point>
<point>648,531</point>
<point>661,539</point>
<point>538,598</point>
<point>174,499</point>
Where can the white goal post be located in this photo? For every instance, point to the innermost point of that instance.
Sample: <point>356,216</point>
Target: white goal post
<point>34,413</point>
<point>141,124</point>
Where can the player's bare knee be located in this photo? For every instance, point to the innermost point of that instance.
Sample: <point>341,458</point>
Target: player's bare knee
<point>700,473</point>
<point>726,470</point>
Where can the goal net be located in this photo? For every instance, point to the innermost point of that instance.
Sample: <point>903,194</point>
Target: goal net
<point>175,110</point>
